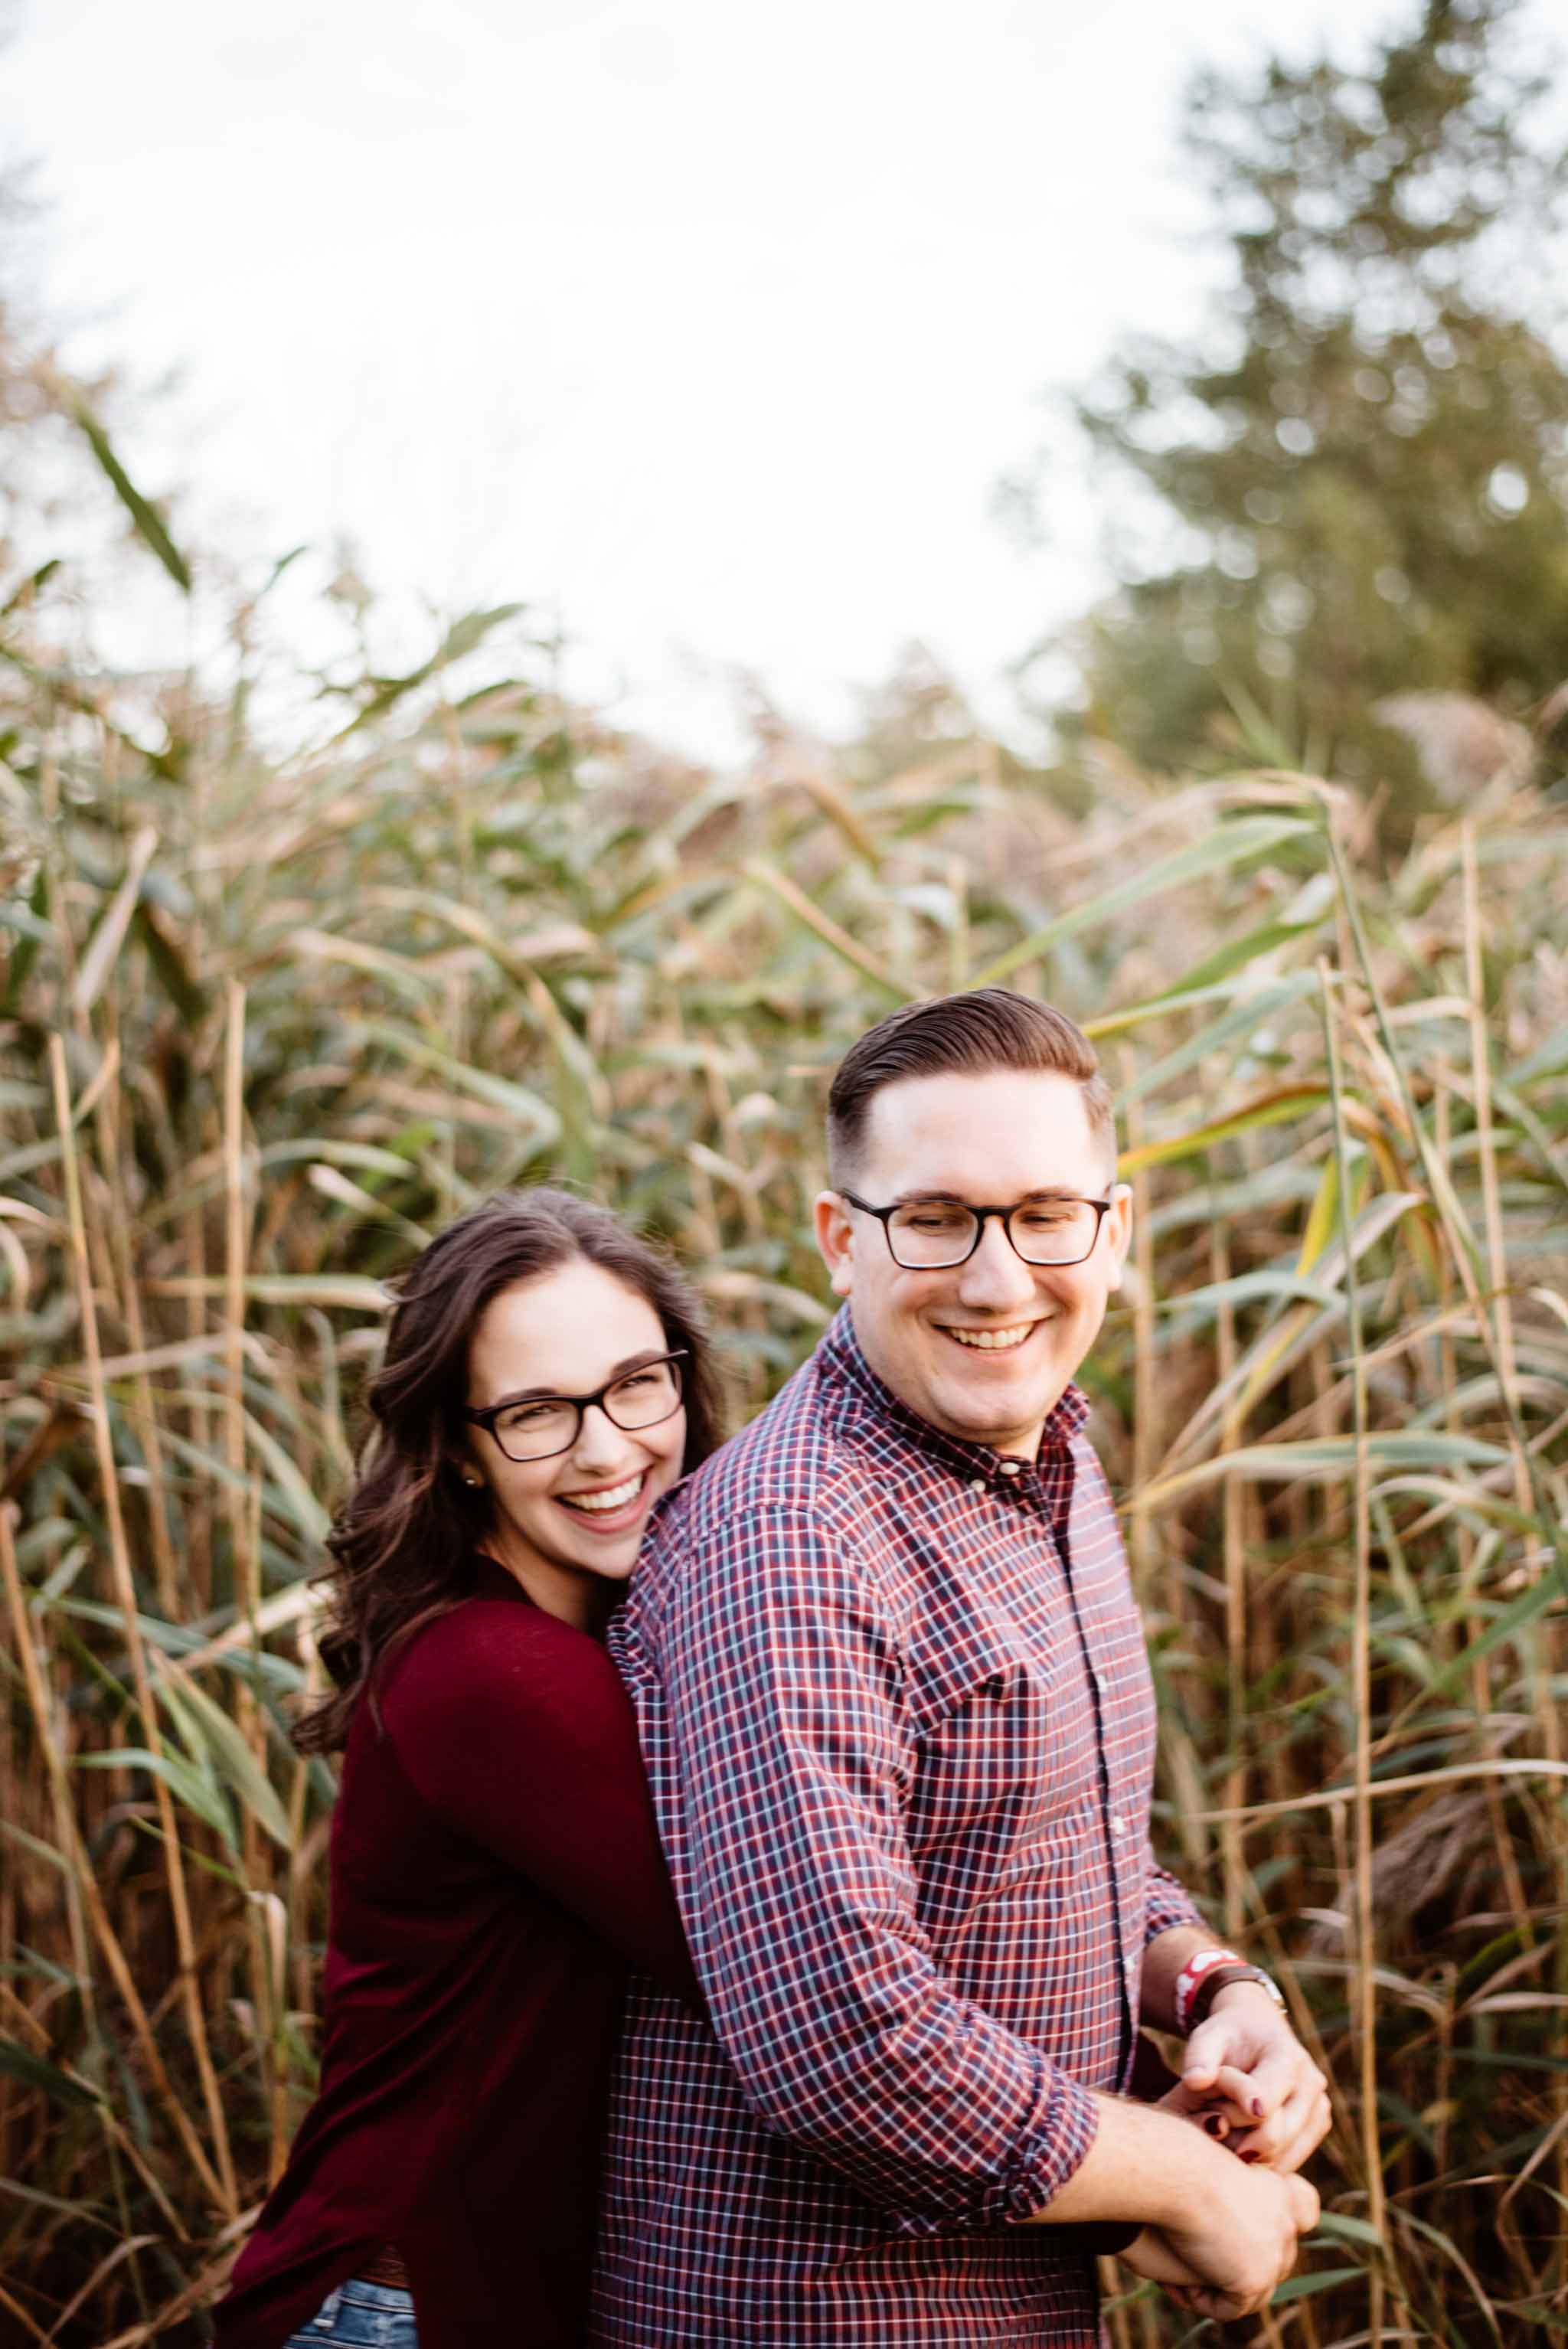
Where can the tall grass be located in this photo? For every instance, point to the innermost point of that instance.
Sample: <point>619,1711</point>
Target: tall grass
<point>268,1020</point>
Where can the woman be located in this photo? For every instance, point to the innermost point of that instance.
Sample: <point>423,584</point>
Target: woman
<point>494,1861</point>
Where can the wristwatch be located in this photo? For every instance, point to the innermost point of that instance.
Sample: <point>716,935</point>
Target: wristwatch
<point>1220,1979</point>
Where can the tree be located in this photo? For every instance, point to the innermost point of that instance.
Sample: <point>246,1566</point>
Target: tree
<point>1359,477</point>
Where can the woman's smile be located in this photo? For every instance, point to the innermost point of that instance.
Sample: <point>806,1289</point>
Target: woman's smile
<point>568,1524</point>
<point>610,1508</point>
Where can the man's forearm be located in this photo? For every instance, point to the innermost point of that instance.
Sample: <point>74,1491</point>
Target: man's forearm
<point>1163,1960</point>
<point>1146,2168</point>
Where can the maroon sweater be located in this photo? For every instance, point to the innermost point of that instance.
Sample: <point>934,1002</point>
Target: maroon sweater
<point>494,1867</point>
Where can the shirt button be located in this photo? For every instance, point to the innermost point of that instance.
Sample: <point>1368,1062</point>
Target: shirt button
<point>1117,1826</point>
<point>1012,1467</point>
<point>977,1484</point>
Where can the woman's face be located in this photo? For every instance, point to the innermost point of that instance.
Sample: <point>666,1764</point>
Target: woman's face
<point>568,1527</point>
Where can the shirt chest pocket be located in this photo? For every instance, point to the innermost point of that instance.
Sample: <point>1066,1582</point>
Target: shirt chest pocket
<point>1010,1754</point>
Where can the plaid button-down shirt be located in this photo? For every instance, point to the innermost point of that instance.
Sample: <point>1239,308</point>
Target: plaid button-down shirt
<point>893,1698</point>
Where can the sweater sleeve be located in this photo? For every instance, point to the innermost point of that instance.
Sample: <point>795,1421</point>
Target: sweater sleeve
<point>517,1731</point>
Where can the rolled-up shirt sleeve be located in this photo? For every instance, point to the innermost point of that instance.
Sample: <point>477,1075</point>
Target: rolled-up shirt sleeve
<point>1168,1903</point>
<point>782,1675</point>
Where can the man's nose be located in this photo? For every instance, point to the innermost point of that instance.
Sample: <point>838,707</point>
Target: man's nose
<point>996,1276</point>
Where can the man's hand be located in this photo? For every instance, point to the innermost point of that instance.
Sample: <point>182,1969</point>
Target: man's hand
<point>1229,2262</point>
<point>1203,2265</point>
<point>1245,2058</point>
<point>1219,2236</point>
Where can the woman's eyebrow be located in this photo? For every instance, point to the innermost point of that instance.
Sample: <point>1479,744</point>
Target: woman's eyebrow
<point>553,1394</point>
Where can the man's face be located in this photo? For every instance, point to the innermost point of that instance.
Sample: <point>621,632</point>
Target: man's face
<point>988,1141</point>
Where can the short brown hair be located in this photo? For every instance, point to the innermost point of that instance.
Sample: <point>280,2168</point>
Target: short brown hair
<point>959,1035</point>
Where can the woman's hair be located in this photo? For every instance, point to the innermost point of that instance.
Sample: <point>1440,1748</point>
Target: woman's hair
<point>402,1545</point>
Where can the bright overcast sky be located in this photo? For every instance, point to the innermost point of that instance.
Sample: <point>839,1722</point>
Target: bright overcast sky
<point>706,330</point>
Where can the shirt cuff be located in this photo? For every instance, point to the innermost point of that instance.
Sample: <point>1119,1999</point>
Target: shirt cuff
<point>1168,1904</point>
<point>1068,2126</point>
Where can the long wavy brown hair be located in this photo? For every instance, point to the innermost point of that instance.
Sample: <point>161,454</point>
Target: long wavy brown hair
<point>403,1544</point>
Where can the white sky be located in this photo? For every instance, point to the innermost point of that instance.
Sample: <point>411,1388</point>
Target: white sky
<point>705,329</point>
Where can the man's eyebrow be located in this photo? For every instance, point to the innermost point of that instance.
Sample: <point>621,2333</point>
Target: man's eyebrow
<point>553,1394</point>
<point>956,1198</point>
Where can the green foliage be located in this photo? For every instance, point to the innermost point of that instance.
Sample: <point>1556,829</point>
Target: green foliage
<point>1356,484</point>
<point>312,1004</point>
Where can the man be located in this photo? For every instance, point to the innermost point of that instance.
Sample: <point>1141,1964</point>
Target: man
<point>893,1694</point>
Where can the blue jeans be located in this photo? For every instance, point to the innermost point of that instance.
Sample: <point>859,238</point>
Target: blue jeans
<point>367,2315</point>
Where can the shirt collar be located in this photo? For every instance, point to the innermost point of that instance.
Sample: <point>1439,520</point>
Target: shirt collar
<point>838,1353</point>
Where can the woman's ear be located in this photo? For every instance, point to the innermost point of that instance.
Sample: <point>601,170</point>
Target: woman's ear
<point>462,1467</point>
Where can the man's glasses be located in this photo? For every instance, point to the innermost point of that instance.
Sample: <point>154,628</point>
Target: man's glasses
<point>934,1235</point>
<point>546,1424</point>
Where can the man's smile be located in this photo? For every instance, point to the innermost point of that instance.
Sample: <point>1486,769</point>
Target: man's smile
<point>991,1341</point>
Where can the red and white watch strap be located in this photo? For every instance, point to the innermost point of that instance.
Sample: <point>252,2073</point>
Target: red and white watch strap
<point>1192,1974</point>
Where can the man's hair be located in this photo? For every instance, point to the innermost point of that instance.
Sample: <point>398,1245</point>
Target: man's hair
<point>967,1035</point>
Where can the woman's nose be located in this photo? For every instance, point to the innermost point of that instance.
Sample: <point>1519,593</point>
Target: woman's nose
<point>598,1438</point>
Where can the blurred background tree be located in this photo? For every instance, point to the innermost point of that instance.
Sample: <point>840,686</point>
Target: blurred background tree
<point>1354,482</point>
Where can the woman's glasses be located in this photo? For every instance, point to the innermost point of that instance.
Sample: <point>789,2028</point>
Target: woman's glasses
<point>545,1424</point>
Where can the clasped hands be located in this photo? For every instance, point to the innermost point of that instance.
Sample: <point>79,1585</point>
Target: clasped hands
<point>1247,2081</point>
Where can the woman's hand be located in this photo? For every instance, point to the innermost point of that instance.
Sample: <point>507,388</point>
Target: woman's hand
<point>1204,2108</point>
<point>1247,2061</point>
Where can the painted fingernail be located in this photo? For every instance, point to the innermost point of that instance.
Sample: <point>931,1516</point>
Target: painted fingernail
<point>1252,2156</point>
<point>1257,2108</point>
<point>1213,2124</point>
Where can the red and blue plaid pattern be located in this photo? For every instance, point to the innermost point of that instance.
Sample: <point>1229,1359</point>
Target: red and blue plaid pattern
<point>893,1694</point>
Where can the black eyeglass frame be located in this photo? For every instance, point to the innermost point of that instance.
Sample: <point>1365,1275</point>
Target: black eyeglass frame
<point>884,1217</point>
<point>487,1417</point>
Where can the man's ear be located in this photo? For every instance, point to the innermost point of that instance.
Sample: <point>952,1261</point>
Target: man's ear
<point>836,1240</point>
<point>1118,1229</point>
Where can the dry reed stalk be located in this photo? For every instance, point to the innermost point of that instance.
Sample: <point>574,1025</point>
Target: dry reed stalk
<point>125,1593</point>
<point>1471,1623</point>
<point>198,1520</point>
<point>143,1410</point>
<point>1417,1782</point>
<point>1540,1642</point>
<point>1233,1553</point>
<point>1449,1213</point>
<point>1364,2001</point>
<point>753,1313</point>
<point>1139,1530</point>
<point>1485,1136</point>
<point>18,2311</point>
<point>247,1585</point>
<point>1115,2315</point>
<point>958,944</point>
<point>200,2293</point>
<point>81,1879</point>
<point>242,1500</point>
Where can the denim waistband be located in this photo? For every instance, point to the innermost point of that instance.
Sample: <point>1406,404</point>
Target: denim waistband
<point>358,2293</point>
